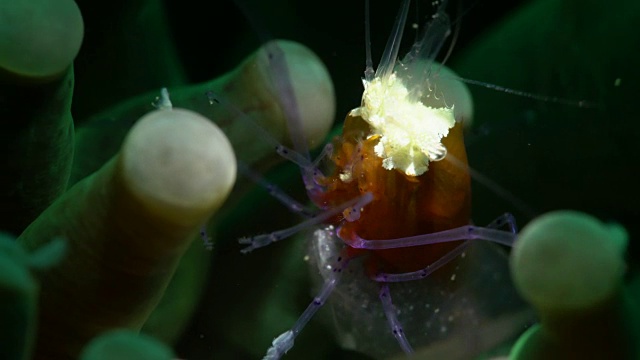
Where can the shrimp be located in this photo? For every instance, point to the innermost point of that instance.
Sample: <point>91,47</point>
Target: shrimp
<point>398,195</point>
<point>532,148</point>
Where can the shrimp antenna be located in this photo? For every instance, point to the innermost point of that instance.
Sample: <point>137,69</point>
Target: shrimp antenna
<point>494,187</point>
<point>454,39</point>
<point>281,80</point>
<point>432,37</point>
<point>369,73</point>
<point>456,33</point>
<point>418,63</point>
<point>258,27</point>
<point>462,13</point>
<point>530,95</point>
<point>393,44</point>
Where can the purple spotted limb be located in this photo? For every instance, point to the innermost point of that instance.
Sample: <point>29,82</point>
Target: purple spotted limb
<point>467,233</point>
<point>351,207</point>
<point>394,323</point>
<point>284,342</point>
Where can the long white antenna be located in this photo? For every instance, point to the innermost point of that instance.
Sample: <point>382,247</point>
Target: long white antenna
<point>390,54</point>
<point>369,73</point>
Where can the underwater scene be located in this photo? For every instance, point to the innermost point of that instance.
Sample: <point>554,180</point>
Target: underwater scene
<point>286,179</point>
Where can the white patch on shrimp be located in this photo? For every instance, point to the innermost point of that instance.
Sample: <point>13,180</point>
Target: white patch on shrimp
<point>410,132</point>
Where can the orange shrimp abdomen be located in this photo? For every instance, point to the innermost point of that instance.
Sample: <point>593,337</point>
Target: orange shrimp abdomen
<point>403,205</point>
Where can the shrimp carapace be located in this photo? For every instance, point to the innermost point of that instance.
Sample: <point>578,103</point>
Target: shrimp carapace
<point>403,205</point>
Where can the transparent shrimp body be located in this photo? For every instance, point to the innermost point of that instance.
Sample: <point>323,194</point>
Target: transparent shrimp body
<point>464,308</point>
<point>446,293</point>
<point>411,159</point>
<point>397,263</point>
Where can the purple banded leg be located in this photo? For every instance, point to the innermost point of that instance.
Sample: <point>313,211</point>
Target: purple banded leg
<point>259,241</point>
<point>467,232</point>
<point>285,341</point>
<point>311,175</point>
<point>316,174</point>
<point>384,278</point>
<point>505,219</point>
<point>286,200</point>
<point>423,273</point>
<point>390,313</point>
<point>302,161</point>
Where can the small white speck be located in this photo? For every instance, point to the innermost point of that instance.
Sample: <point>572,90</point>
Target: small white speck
<point>463,255</point>
<point>414,26</point>
<point>617,82</point>
<point>443,329</point>
<point>306,258</point>
<point>453,277</point>
<point>163,102</point>
<point>436,310</point>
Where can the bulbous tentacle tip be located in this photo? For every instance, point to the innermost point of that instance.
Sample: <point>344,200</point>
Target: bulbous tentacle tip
<point>566,261</point>
<point>313,106</point>
<point>178,163</point>
<point>39,39</point>
<point>126,344</point>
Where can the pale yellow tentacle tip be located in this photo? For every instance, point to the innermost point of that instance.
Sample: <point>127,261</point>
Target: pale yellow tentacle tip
<point>179,164</point>
<point>568,261</point>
